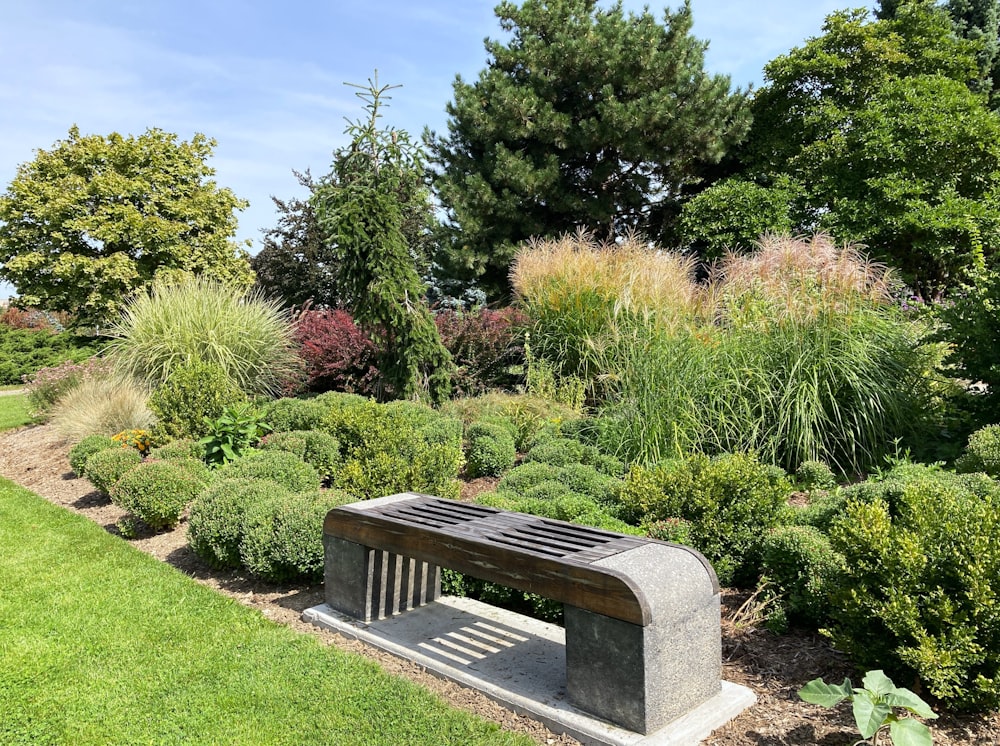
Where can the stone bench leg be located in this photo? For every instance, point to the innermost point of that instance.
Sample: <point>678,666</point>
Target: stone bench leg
<point>370,584</point>
<point>643,677</point>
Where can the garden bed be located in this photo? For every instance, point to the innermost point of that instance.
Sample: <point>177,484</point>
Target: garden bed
<point>773,666</point>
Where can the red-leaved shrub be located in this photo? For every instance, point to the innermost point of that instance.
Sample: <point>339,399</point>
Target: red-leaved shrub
<point>338,355</point>
<point>486,345</point>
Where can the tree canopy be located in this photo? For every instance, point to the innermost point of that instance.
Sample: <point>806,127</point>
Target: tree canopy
<point>95,218</point>
<point>586,117</point>
<point>879,128</point>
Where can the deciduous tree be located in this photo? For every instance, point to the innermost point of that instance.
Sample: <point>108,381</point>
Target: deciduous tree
<point>94,218</point>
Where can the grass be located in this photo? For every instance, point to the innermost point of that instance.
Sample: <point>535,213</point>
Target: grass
<point>102,644</point>
<point>14,411</point>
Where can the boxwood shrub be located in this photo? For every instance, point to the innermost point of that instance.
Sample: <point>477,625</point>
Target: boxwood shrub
<point>106,467</point>
<point>278,466</point>
<point>157,492</point>
<point>919,594</point>
<point>317,448</point>
<point>805,570</point>
<point>215,525</point>
<point>490,451</point>
<point>86,448</point>
<point>283,537</point>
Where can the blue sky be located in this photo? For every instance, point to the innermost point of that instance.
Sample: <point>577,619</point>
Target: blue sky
<point>266,79</point>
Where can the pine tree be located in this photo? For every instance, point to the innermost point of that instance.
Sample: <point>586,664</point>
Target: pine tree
<point>586,117</point>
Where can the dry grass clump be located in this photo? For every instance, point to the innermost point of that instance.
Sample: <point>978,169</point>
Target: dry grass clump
<point>102,406</point>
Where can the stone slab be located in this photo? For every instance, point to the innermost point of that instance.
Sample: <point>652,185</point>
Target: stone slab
<point>518,662</point>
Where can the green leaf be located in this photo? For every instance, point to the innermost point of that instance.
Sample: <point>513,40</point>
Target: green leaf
<point>910,732</point>
<point>869,714</point>
<point>906,699</point>
<point>878,683</point>
<point>818,692</point>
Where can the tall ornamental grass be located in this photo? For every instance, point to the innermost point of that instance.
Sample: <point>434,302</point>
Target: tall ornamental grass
<point>198,319</point>
<point>795,352</point>
<point>102,406</point>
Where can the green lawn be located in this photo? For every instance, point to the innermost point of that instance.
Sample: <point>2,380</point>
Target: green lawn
<point>14,411</point>
<point>102,644</point>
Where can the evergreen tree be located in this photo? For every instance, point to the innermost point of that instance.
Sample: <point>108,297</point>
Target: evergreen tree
<point>359,210</point>
<point>587,118</point>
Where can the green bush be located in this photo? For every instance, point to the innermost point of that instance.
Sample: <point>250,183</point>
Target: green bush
<point>805,570</point>
<point>180,448</point>
<point>396,448</point>
<point>814,475</point>
<point>157,492</point>
<point>87,447</point>
<point>675,530</point>
<point>982,453</point>
<point>191,393</point>
<point>286,415</point>
<point>918,597</point>
<point>525,476</point>
<point>490,451</point>
<point>106,467</point>
<point>525,414</point>
<point>176,323</point>
<point>731,500</point>
<point>196,468</point>
<point>278,466</point>
<point>557,451</point>
<point>587,480</point>
<point>825,507</point>
<point>317,448</point>
<point>25,351</point>
<point>283,537</point>
<point>215,525</point>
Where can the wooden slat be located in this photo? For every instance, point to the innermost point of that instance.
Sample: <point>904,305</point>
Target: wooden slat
<point>566,579</point>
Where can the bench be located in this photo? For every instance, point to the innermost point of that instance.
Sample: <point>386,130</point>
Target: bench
<point>643,643</point>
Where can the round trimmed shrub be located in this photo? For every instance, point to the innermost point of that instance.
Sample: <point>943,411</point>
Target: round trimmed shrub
<point>285,415</point>
<point>106,467</point>
<point>157,492</point>
<point>490,451</point>
<point>587,480</point>
<point>982,453</point>
<point>215,525</point>
<point>317,448</point>
<point>283,537</point>
<point>177,449</point>
<point>557,451</point>
<point>278,466</point>
<point>195,467</point>
<point>522,478</point>
<point>86,448</point>
<point>190,393</point>
<point>806,570</point>
<point>815,475</point>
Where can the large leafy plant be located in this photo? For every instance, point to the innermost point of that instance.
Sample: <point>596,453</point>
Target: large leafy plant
<point>875,707</point>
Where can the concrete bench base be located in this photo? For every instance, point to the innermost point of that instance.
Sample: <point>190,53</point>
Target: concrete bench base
<point>518,662</point>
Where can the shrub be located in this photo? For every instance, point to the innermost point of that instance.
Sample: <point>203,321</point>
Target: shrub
<point>918,596</point>
<point>526,414</point>
<point>486,347</point>
<point>522,478</point>
<point>395,448</point>
<point>982,453</point>
<point>825,507</point>
<point>178,323</point>
<point>215,525</point>
<point>805,570</point>
<point>46,386</point>
<point>87,447</point>
<point>675,530</point>
<point>318,449</point>
<point>490,450</point>
<point>285,415</point>
<point>24,351</point>
<point>33,318</point>
<point>182,448</point>
<point>192,392</point>
<point>102,406</point>
<point>157,492</point>
<point>587,480</point>
<point>814,475</point>
<point>557,451</point>
<point>106,467</point>
<point>283,537</point>
<point>277,466</point>
<point>731,500</point>
<point>338,355</point>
